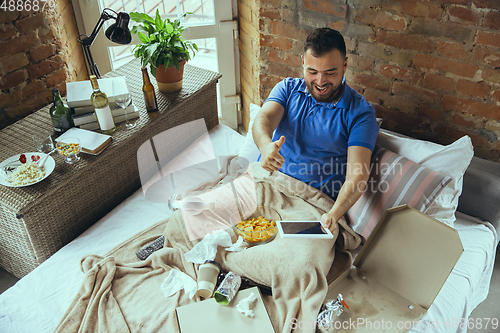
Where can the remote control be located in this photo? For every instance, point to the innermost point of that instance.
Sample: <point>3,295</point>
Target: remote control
<point>150,248</point>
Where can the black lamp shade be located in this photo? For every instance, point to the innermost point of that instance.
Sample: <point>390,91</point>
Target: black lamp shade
<point>118,32</point>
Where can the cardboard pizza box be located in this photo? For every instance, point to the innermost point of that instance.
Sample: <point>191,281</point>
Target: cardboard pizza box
<point>397,274</point>
<point>210,317</point>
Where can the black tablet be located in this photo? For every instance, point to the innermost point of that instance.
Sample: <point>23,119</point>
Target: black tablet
<point>303,229</point>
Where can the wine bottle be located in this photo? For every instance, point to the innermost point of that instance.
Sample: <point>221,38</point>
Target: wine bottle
<point>148,91</point>
<point>101,105</point>
<point>60,113</point>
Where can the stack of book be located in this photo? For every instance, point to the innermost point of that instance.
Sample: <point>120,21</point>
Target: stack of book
<point>78,97</point>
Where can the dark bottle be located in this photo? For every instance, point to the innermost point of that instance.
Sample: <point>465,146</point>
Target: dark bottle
<point>148,91</point>
<point>60,113</point>
<point>245,284</point>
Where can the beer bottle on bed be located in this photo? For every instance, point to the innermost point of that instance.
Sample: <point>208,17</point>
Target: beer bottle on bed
<point>102,110</point>
<point>148,91</point>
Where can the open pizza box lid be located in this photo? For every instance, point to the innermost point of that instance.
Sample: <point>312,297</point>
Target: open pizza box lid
<point>398,272</point>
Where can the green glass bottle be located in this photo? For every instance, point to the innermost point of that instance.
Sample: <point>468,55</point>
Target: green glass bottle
<point>60,113</point>
<point>101,105</point>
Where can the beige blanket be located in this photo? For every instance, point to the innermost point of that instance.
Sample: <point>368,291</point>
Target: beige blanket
<point>122,294</point>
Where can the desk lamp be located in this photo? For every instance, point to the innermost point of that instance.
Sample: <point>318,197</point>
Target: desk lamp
<point>118,32</point>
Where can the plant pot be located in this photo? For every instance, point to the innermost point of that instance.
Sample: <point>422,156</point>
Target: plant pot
<point>170,80</point>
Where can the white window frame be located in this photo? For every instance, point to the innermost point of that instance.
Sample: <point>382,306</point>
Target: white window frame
<point>225,32</point>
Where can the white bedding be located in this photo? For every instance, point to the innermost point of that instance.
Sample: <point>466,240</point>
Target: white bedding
<point>37,302</point>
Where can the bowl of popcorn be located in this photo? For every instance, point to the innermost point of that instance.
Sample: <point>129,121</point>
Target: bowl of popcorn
<point>69,149</point>
<point>256,226</point>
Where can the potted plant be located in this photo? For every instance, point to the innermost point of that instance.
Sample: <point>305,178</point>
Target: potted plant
<point>163,48</point>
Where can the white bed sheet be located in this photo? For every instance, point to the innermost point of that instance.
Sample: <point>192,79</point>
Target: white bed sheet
<point>37,302</point>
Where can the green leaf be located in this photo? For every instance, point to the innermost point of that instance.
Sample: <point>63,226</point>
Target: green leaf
<point>151,49</point>
<point>176,64</point>
<point>143,38</point>
<point>158,21</point>
<point>141,17</point>
<point>152,69</point>
<point>178,44</point>
<point>169,28</point>
<point>167,59</point>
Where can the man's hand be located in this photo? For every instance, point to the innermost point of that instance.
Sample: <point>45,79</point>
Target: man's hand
<point>329,221</point>
<point>271,159</point>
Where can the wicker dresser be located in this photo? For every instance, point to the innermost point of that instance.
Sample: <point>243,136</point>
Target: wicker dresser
<point>37,220</point>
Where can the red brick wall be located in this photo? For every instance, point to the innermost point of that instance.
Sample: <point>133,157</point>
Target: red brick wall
<point>430,67</point>
<point>38,51</point>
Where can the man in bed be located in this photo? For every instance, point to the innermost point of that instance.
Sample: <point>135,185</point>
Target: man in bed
<point>324,131</point>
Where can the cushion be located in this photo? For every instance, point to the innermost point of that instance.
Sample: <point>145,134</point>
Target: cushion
<point>249,152</point>
<point>394,180</point>
<point>451,160</point>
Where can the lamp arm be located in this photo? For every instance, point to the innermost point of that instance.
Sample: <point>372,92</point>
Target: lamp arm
<point>87,41</point>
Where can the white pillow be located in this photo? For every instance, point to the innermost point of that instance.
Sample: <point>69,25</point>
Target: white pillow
<point>451,160</point>
<point>249,151</point>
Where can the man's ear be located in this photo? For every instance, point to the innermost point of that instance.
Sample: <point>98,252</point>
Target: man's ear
<point>302,57</point>
<point>345,64</point>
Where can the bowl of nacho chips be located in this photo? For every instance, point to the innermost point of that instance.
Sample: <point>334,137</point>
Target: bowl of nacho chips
<point>256,226</point>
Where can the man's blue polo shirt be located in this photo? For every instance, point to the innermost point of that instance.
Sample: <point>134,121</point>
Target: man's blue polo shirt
<point>318,134</point>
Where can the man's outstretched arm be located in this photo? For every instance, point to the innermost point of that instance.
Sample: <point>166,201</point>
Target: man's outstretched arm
<point>357,174</point>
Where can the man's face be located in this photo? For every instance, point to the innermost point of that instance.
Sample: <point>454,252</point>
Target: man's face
<point>323,75</point>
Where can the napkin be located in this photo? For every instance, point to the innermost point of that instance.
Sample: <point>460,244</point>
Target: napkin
<point>237,246</point>
<point>206,249</point>
<point>177,280</point>
<point>243,306</point>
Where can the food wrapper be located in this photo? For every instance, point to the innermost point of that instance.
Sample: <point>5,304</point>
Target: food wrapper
<point>333,309</point>
<point>227,289</point>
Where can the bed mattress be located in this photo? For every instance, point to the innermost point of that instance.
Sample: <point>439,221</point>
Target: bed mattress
<point>38,301</point>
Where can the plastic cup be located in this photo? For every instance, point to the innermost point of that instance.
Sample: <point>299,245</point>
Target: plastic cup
<point>207,278</point>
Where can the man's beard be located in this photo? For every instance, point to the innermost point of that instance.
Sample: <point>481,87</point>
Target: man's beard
<point>334,94</point>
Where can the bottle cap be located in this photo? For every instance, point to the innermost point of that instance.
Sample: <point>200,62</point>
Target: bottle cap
<point>93,81</point>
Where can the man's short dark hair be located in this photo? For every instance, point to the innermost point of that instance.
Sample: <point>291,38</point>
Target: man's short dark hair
<point>324,40</point>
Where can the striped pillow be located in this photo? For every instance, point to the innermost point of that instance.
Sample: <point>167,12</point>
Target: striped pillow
<point>394,181</point>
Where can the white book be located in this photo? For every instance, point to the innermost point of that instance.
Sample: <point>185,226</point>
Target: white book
<point>90,108</point>
<point>83,109</point>
<point>93,126</point>
<point>78,93</point>
<point>90,117</point>
<point>91,142</point>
